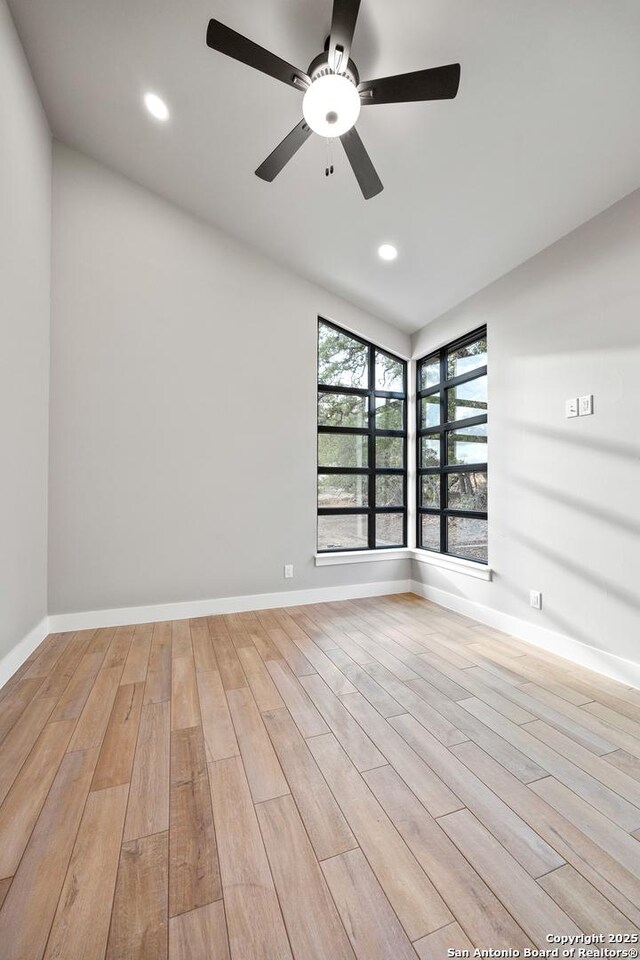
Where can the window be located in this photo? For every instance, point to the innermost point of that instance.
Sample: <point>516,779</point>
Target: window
<point>362,444</point>
<point>452,449</point>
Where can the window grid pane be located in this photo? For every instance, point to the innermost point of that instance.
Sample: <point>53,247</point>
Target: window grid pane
<point>389,373</point>
<point>468,399</point>
<point>452,449</point>
<point>338,490</point>
<point>342,360</point>
<point>390,490</point>
<point>342,450</point>
<point>467,537</point>
<point>462,359</point>
<point>390,452</point>
<point>343,532</point>
<point>467,445</point>
<point>342,410</point>
<point>467,491</point>
<point>362,429</point>
<point>389,530</point>
<point>389,413</point>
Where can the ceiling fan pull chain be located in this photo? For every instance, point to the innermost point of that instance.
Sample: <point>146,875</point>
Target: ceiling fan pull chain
<point>328,170</point>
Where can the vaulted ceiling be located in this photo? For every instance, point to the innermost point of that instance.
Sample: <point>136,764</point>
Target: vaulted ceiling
<point>543,135</point>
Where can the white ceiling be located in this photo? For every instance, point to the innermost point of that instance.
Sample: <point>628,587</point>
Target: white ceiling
<point>543,135</point>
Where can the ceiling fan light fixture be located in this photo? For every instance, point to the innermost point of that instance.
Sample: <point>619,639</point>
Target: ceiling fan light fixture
<point>331,105</point>
<point>333,92</point>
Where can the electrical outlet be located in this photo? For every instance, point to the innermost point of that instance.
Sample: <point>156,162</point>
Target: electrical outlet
<point>535,599</point>
<point>585,405</point>
<point>288,571</point>
<point>571,407</point>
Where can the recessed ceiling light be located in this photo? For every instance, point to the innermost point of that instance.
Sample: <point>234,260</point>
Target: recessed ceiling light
<point>387,251</point>
<point>156,106</point>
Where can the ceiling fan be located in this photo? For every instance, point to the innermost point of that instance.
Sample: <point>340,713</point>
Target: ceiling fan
<point>333,92</point>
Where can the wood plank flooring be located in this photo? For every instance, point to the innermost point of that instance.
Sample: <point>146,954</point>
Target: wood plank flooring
<point>375,779</point>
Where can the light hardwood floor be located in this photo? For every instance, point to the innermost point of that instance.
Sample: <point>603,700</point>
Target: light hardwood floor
<point>378,779</point>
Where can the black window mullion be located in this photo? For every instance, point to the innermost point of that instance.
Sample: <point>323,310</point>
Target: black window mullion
<point>372,470</point>
<point>372,446</point>
<point>350,391</point>
<point>418,454</point>
<point>466,339</point>
<point>454,468</point>
<point>443,452</point>
<point>474,374</point>
<point>345,471</point>
<point>354,431</point>
<point>446,427</point>
<point>442,432</point>
<point>405,452</point>
<point>390,394</point>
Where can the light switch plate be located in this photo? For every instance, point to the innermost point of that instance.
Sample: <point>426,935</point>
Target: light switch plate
<point>571,407</point>
<point>585,405</point>
<point>535,599</point>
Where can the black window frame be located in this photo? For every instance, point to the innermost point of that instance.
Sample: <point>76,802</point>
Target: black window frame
<point>371,471</point>
<point>444,428</point>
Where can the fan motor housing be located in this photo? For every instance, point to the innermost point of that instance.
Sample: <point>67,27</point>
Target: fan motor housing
<point>319,67</point>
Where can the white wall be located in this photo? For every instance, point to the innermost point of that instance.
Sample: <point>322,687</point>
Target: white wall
<point>183,396</point>
<point>564,495</point>
<point>25,256</point>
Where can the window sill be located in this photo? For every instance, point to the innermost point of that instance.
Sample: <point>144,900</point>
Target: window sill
<point>454,564</point>
<point>362,556</point>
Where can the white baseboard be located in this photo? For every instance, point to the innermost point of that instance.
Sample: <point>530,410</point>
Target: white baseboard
<point>89,620</point>
<point>600,661</point>
<point>23,649</point>
<point>607,664</point>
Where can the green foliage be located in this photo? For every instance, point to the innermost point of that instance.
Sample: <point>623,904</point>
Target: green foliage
<point>389,414</point>
<point>342,361</point>
<point>389,373</point>
<point>342,410</point>
<point>342,450</point>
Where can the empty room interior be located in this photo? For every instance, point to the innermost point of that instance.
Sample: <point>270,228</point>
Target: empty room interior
<point>320,480</point>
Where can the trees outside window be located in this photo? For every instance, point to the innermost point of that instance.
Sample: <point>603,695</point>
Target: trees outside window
<point>362,443</point>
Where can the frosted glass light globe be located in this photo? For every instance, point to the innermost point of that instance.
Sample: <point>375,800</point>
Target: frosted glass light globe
<point>331,105</point>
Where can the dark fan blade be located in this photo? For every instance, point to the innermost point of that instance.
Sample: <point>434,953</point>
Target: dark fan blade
<point>343,24</point>
<point>271,167</point>
<point>437,83</point>
<point>365,172</point>
<point>240,48</point>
